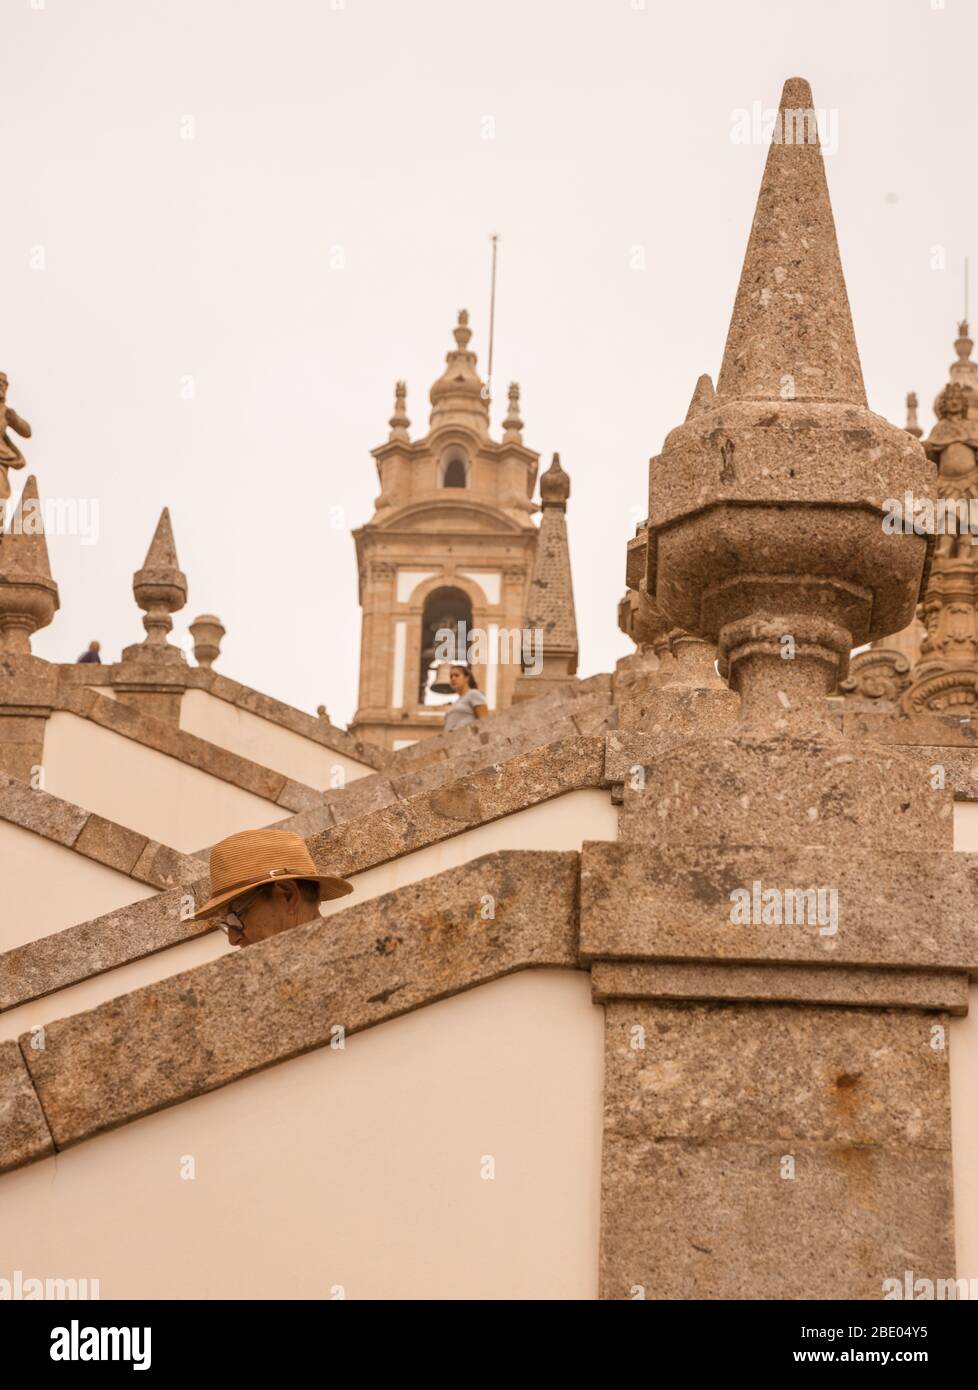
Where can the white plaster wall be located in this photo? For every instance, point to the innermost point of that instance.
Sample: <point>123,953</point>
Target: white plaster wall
<point>145,790</point>
<point>562,823</point>
<point>360,1169</point>
<point>45,887</point>
<point>250,736</point>
<point>964,1089</point>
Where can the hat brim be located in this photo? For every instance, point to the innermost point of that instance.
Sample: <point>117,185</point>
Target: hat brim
<point>332,888</point>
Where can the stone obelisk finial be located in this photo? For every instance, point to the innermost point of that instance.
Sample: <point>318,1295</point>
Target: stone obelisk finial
<point>791,334</point>
<point>160,588</point>
<point>28,594</point>
<point>766,507</point>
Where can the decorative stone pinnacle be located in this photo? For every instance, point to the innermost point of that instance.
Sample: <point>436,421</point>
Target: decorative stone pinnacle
<point>912,426</point>
<point>703,396</point>
<point>945,677</point>
<point>555,486</point>
<point>399,421</point>
<point>766,506</point>
<point>462,331</point>
<point>10,455</point>
<point>458,397</point>
<point>207,632</point>
<point>28,594</point>
<point>160,588</point>
<point>513,425</point>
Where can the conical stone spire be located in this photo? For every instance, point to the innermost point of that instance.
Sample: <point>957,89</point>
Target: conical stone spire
<point>703,396</point>
<point>28,594</point>
<point>791,334</point>
<point>160,588</point>
<point>551,622</point>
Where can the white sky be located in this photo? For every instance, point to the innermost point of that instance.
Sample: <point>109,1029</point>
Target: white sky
<point>362,127</point>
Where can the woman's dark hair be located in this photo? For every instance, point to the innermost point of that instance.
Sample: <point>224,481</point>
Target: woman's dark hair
<point>468,673</point>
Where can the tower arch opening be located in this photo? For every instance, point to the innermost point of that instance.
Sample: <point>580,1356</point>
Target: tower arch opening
<point>446,611</point>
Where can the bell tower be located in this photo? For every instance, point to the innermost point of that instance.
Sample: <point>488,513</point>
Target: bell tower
<point>451,542</point>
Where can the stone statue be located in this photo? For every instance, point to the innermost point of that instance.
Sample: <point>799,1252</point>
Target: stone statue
<point>10,455</point>
<point>953,446</point>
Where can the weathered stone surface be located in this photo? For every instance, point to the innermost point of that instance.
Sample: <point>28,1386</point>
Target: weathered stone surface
<point>111,844</point>
<point>24,1134</point>
<point>697,1199</point>
<point>485,796</point>
<point>65,957</point>
<point>784,791</point>
<point>38,811</point>
<point>944,731</point>
<point>942,990</point>
<point>670,714</point>
<point>684,1220</point>
<point>166,868</point>
<point>206,1027</point>
<point>674,903</point>
<point>719,1072</point>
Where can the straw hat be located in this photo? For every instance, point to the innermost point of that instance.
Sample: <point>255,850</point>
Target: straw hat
<point>252,857</point>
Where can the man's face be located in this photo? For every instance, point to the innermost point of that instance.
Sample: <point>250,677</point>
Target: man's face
<point>268,914</point>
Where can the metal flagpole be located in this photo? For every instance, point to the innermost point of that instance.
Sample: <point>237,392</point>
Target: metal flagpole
<point>492,310</point>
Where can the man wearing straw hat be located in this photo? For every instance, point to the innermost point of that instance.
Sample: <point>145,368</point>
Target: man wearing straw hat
<point>262,883</point>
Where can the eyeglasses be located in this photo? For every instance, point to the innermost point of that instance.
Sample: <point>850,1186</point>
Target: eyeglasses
<point>231,921</point>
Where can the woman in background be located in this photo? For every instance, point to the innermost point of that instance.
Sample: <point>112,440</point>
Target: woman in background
<point>471,703</point>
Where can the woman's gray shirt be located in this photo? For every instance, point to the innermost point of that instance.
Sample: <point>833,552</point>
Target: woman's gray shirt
<point>463,710</point>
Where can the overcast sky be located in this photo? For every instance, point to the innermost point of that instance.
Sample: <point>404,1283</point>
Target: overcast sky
<point>216,323</point>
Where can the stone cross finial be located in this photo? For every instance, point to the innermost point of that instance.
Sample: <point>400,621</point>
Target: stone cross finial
<point>10,455</point>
